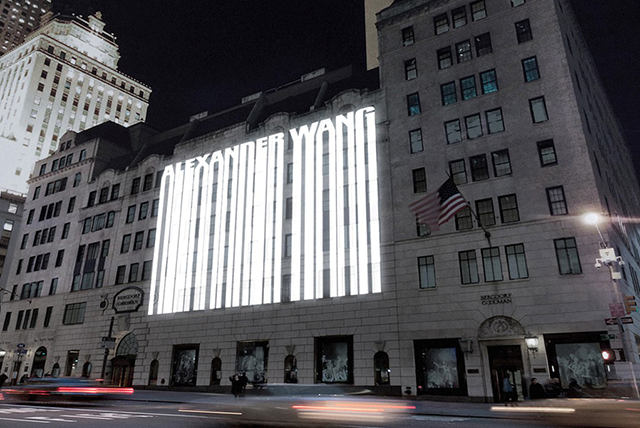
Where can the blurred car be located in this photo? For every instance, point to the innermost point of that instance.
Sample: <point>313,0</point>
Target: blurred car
<point>305,406</point>
<point>62,388</point>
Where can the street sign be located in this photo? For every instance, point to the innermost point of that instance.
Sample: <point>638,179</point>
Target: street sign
<point>20,345</point>
<point>21,351</point>
<point>626,320</point>
<point>607,336</point>
<point>611,321</point>
<point>108,343</point>
<point>617,309</point>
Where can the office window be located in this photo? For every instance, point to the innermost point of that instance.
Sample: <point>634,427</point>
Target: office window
<point>501,163</point>
<point>419,180</point>
<point>441,23</point>
<point>135,186</point>
<point>86,227</point>
<point>468,87</point>
<point>77,179</point>
<point>146,270</point>
<point>530,69</point>
<point>408,37</point>
<point>47,316</point>
<point>478,10</point>
<point>468,267</point>
<point>495,122</point>
<point>126,242</point>
<point>144,210</point>
<point>148,182</point>
<point>415,141</point>
<point>53,287</point>
<point>287,245</point>
<point>474,126</point>
<point>131,213</point>
<point>463,51</point>
<point>427,272</point>
<point>523,31</point>
<point>25,241</point>
<point>538,110</point>
<point>547,153</point>
<point>104,249</point>
<point>489,81</point>
<point>486,215</point>
<point>288,208</point>
<point>410,69</point>
<point>413,104</point>
<point>508,208</point>
<point>155,205</point>
<point>151,238</point>
<point>74,313</point>
<point>289,173</point>
<point>491,264</point>
<point>557,201</point>
<point>120,274</point>
<point>422,229</point>
<point>59,258</point>
<point>19,319</point>
<point>138,241</point>
<point>115,191</point>
<point>483,44</point>
<point>448,93</point>
<point>36,193</point>
<point>133,272</point>
<point>452,128</point>
<point>567,255</point>
<point>111,215</point>
<point>7,320</point>
<point>458,171</point>
<point>72,204</point>
<point>30,216</point>
<point>87,281</point>
<point>464,220</point>
<point>516,261</point>
<point>459,17</point>
<point>445,59</point>
<point>104,195</point>
<point>479,167</point>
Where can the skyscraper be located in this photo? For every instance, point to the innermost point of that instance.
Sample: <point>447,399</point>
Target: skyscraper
<point>18,18</point>
<point>63,77</point>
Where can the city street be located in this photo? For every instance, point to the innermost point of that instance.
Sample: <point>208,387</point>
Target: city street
<point>172,409</point>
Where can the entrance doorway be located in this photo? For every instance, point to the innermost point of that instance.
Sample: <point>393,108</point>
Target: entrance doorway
<point>123,370</point>
<point>506,362</point>
<point>39,359</point>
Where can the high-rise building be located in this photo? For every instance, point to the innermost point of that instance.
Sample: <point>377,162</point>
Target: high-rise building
<point>283,245</point>
<point>18,18</point>
<point>10,216</point>
<point>63,77</point>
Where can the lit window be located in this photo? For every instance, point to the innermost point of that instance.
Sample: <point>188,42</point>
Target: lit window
<point>413,104</point>
<point>8,225</point>
<point>478,10</point>
<point>489,81</point>
<point>448,92</point>
<point>474,126</point>
<point>468,87</point>
<point>415,140</point>
<point>538,110</point>
<point>463,51</point>
<point>495,122</point>
<point>452,129</point>
<point>530,69</point>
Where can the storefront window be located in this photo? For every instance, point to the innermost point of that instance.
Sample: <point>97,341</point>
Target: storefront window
<point>252,360</point>
<point>185,365</point>
<point>439,367</point>
<point>334,359</point>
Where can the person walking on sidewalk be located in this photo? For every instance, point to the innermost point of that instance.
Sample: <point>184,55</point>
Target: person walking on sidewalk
<point>236,385</point>
<point>536,390</point>
<point>507,390</point>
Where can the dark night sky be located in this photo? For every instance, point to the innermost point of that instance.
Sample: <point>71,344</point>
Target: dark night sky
<point>206,55</point>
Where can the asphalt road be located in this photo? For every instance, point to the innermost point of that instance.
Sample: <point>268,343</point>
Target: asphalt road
<point>137,414</point>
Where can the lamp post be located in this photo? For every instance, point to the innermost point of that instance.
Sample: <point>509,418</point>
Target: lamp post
<point>608,258</point>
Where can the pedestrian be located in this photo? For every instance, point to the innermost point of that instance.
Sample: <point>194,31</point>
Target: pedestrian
<point>552,388</point>
<point>574,390</point>
<point>244,380</point>
<point>536,390</point>
<point>236,385</point>
<point>3,379</point>
<point>507,390</point>
<point>24,378</point>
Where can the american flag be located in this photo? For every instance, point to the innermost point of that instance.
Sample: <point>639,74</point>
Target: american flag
<point>440,206</point>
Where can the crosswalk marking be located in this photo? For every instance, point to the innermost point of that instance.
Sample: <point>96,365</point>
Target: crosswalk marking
<point>45,418</point>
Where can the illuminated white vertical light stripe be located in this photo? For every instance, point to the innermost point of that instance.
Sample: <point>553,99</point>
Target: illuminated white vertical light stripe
<point>296,221</point>
<point>309,215</point>
<point>338,275</point>
<point>204,238</point>
<point>279,143</point>
<point>222,202</point>
<point>191,208</point>
<point>363,259</point>
<point>353,237</point>
<point>267,291</point>
<point>174,233</point>
<point>373,199</point>
<point>215,179</point>
<point>319,197</point>
<point>333,213</point>
<point>248,224</point>
<point>231,241</point>
<point>241,245</point>
<point>158,277</point>
<point>200,174</point>
<point>182,268</point>
<point>259,217</point>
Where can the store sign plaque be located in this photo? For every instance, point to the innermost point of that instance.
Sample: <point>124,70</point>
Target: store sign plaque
<point>128,300</point>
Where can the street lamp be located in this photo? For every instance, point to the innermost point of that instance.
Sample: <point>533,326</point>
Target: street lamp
<point>532,343</point>
<point>2,352</point>
<point>608,258</point>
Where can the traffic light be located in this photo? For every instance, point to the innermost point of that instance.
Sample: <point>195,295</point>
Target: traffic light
<point>608,356</point>
<point>630,304</point>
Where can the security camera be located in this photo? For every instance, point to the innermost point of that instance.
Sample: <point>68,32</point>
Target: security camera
<point>598,265</point>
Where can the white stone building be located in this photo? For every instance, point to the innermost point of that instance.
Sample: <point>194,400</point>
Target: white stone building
<point>64,76</point>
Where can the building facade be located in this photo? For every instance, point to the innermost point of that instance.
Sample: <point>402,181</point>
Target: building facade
<point>64,76</point>
<point>18,18</point>
<point>10,212</point>
<point>282,244</point>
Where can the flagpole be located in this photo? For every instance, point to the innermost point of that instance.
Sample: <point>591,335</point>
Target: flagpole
<point>487,234</point>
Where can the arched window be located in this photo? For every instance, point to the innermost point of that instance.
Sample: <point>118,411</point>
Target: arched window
<point>55,370</point>
<point>86,369</point>
<point>290,369</point>
<point>381,368</point>
<point>216,371</point>
<point>153,372</point>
